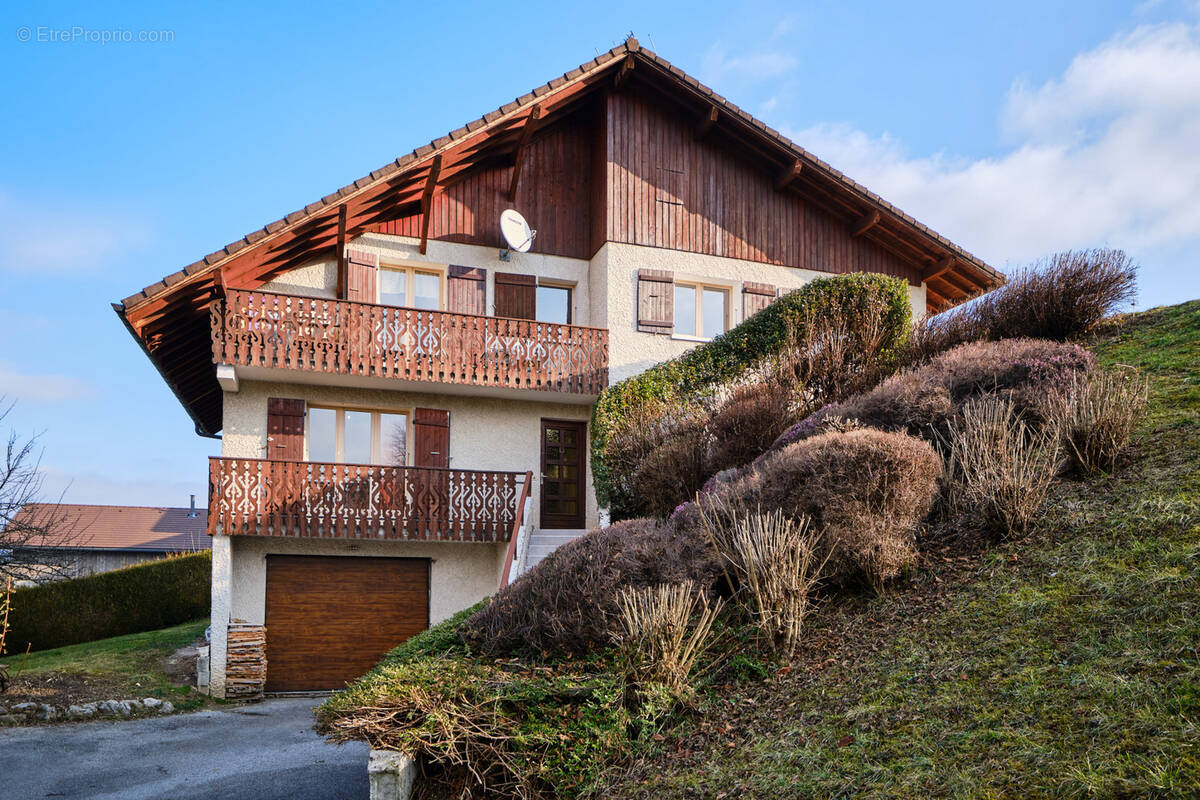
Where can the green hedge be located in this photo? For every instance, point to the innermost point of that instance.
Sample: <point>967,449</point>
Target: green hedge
<point>144,597</point>
<point>699,371</point>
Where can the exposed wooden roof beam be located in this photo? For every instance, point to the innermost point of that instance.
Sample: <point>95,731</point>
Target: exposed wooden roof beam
<point>342,266</point>
<point>937,298</point>
<point>623,73</point>
<point>938,269</point>
<point>706,123</point>
<point>427,200</point>
<point>535,114</point>
<point>869,220</point>
<point>789,174</point>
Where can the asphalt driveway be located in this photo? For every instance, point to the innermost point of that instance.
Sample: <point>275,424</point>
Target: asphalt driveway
<point>266,751</point>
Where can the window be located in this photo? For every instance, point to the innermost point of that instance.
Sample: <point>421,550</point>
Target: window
<point>553,304</point>
<point>410,287</point>
<point>353,436</point>
<point>701,311</point>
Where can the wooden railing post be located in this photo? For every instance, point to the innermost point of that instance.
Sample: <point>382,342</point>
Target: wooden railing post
<point>518,521</point>
<point>260,497</point>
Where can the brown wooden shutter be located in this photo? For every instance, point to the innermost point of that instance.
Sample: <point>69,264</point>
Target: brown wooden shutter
<point>756,297</point>
<point>431,437</point>
<point>466,290</point>
<point>362,269</point>
<point>285,429</point>
<point>655,301</point>
<point>516,295</point>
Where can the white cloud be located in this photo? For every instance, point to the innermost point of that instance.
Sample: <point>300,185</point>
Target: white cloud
<point>1105,154</point>
<point>719,66</point>
<point>45,388</point>
<point>63,238</point>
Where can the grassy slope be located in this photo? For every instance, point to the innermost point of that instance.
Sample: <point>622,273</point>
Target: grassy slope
<point>1063,665</point>
<point>120,667</point>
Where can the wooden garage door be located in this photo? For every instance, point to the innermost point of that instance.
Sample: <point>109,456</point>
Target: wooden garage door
<point>329,619</point>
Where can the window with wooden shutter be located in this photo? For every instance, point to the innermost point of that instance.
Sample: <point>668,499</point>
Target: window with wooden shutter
<point>655,301</point>
<point>285,429</point>
<point>466,289</point>
<point>431,437</point>
<point>756,297</point>
<point>516,295</point>
<point>362,270</point>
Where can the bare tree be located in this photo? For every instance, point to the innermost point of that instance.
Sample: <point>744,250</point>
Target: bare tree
<point>36,537</point>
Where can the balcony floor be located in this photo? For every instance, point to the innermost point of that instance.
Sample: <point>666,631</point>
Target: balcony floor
<point>270,375</point>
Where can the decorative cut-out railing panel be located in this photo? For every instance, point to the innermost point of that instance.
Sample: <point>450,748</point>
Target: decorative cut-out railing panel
<point>256,497</point>
<point>262,329</point>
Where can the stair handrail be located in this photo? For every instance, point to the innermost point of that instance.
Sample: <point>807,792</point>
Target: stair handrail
<point>507,575</point>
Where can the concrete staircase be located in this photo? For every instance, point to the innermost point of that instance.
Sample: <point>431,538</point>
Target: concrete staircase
<point>543,543</point>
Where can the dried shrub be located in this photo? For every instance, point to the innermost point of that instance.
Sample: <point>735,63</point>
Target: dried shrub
<point>865,491</point>
<point>864,319</point>
<point>744,424</point>
<point>646,425</point>
<point>664,629</point>
<point>1097,415</point>
<point>1000,468</point>
<point>837,350</point>
<point>674,470</point>
<point>567,604</point>
<point>775,563</point>
<point>1059,298</point>
<point>922,401</point>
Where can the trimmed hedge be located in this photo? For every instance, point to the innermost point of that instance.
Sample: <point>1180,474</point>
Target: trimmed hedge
<point>700,371</point>
<point>144,597</point>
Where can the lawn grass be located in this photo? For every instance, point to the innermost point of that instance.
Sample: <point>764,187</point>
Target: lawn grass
<point>1065,664</point>
<point>118,668</point>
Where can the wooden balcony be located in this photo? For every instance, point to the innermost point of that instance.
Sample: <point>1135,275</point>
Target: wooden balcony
<point>257,497</point>
<point>277,331</point>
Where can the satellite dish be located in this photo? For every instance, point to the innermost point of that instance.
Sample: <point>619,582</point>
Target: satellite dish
<point>516,232</point>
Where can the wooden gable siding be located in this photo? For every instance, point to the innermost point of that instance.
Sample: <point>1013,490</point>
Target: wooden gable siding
<point>668,189</point>
<point>554,194</point>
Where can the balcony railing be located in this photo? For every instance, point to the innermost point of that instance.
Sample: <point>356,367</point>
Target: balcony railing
<point>261,329</point>
<point>257,497</point>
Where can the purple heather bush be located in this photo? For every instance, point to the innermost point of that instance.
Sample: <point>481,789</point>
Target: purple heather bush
<point>922,400</point>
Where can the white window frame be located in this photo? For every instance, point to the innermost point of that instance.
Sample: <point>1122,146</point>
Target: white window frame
<point>699,286</point>
<point>339,431</point>
<point>410,282</point>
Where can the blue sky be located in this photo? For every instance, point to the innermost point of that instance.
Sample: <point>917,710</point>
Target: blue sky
<point>1016,129</point>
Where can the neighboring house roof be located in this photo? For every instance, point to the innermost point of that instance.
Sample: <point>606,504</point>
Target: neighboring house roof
<point>138,528</point>
<point>170,317</point>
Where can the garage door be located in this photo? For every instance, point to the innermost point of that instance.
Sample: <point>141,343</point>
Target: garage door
<point>330,619</point>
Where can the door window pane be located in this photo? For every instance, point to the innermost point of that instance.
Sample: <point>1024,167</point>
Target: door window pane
<point>392,286</point>
<point>427,291</point>
<point>713,315</point>
<point>356,447</point>
<point>685,310</point>
<point>554,304</point>
<point>393,439</point>
<point>322,434</point>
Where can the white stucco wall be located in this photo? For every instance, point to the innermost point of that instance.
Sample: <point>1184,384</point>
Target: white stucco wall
<point>485,433</point>
<point>632,351</point>
<point>319,278</point>
<point>460,575</point>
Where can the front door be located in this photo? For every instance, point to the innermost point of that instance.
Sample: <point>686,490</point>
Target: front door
<point>563,446</point>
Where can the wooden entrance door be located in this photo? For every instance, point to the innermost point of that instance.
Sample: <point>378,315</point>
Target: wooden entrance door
<point>329,619</point>
<point>563,445</point>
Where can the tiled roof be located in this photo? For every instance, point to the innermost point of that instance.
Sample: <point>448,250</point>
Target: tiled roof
<point>142,528</point>
<point>601,62</point>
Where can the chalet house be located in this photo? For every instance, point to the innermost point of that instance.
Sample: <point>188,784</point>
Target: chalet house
<point>88,539</point>
<point>403,405</point>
